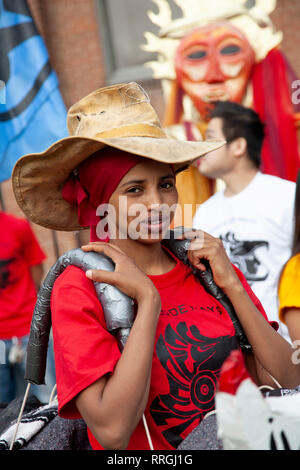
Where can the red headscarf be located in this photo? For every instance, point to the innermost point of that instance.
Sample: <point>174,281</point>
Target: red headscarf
<point>96,180</point>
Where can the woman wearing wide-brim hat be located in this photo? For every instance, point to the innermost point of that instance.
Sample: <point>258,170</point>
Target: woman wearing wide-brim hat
<point>181,336</point>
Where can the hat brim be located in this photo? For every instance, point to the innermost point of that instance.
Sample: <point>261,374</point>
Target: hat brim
<point>37,179</point>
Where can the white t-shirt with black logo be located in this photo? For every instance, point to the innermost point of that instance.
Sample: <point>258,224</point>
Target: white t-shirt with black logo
<point>256,227</point>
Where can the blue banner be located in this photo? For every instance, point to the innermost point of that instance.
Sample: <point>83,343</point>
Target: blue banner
<point>32,112</point>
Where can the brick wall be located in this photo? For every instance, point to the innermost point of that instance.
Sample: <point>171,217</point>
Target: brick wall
<point>71,32</point>
<point>286,18</point>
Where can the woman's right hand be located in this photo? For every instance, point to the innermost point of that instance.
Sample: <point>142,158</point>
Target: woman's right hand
<point>127,276</point>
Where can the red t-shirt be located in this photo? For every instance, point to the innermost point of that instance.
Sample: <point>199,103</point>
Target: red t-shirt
<point>19,250</point>
<point>194,336</point>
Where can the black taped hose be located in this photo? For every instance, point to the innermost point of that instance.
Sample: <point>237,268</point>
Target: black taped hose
<point>180,248</point>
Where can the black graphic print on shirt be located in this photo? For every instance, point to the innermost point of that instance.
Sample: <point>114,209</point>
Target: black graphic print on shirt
<point>5,273</point>
<point>192,364</point>
<point>243,254</point>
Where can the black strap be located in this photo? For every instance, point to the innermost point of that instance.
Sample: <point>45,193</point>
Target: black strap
<point>180,249</point>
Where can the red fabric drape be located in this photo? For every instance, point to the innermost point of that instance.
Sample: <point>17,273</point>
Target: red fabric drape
<point>272,101</point>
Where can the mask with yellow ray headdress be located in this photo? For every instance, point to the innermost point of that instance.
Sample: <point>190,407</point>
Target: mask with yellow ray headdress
<point>224,50</point>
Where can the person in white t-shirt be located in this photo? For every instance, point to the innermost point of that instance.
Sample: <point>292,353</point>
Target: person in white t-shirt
<point>253,214</point>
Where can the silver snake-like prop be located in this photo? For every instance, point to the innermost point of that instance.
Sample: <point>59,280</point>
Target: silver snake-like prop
<point>117,307</point>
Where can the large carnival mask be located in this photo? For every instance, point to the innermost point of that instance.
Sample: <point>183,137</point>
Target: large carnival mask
<point>214,63</point>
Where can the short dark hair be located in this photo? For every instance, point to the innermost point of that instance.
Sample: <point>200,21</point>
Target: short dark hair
<point>239,121</point>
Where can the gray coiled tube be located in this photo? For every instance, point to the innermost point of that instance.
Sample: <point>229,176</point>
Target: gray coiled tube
<point>117,308</point>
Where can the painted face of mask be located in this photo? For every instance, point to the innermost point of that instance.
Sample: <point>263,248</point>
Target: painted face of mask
<point>214,63</point>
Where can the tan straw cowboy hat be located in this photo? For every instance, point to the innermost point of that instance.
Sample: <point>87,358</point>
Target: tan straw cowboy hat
<point>118,116</point>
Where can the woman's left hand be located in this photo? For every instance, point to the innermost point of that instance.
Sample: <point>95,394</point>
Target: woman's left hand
<point>205,246</point>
